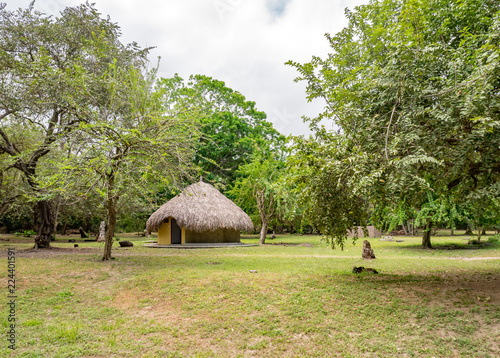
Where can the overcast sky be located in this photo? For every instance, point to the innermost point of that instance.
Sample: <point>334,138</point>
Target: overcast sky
<point>244,43</point>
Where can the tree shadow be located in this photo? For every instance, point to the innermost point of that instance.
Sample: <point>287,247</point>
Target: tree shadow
<point>448,246</point>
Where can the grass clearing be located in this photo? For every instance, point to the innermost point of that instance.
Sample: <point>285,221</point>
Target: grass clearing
<point>303,301</point>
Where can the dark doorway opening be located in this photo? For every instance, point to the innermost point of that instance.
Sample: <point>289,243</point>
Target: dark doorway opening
<point>176,232</point>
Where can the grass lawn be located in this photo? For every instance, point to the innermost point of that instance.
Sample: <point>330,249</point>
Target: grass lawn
<point>303,301</point>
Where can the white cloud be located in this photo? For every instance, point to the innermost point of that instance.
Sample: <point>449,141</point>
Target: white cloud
<point>242,42</point>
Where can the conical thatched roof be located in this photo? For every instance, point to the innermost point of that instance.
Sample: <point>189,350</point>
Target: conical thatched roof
<point>201,207</point>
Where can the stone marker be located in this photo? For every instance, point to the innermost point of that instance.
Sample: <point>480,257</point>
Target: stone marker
<point>102,232</point>
<point>368,253</point>
<point>361,269</point>
<point>125,244</point>
<point>253,271</point>
<point>76,245</point>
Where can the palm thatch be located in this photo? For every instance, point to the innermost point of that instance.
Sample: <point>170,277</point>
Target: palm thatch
<point>201,207</point>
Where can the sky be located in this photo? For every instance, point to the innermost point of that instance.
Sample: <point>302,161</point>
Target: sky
<point>244,43</point>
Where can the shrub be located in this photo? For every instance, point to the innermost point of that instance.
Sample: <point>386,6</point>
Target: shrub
<point>28,233</point>
<point>495,239</point>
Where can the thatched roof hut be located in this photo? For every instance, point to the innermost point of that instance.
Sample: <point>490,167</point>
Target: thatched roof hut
<point>201,210</point>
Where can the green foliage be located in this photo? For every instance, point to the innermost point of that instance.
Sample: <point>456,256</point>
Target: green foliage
<point>29,233</point>
<point>136,142</point>
<point>495,239</point>
<point>25,233</point>
<point>412,87</point>
<point>328,188</point>
<point>257,190</point>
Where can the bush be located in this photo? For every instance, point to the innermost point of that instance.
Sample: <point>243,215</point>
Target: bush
<point>28,233</point>
<point>495,239</point>
<point>25,233</point>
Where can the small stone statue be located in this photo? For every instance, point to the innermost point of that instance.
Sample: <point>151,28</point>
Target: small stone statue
<point>368,253</point>
<point>102,232</point>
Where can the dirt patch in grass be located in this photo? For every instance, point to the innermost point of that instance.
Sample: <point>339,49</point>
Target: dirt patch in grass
<point>56,251</point>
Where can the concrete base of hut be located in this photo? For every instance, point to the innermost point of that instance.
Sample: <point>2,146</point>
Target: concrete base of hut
<point>211,245</point>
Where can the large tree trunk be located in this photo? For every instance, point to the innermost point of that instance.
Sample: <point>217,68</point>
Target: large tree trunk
<point>45,225</point>
<point>426,238</point>
<point>263,233</point>
<point>111,210</point>
<point>110,232</point>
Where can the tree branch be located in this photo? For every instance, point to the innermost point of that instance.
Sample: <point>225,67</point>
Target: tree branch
<point>389,126</point>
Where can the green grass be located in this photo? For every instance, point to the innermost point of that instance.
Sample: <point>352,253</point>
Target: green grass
<point>303,301</point>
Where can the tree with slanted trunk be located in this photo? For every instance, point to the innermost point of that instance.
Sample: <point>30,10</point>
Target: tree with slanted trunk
<point>53,73</point>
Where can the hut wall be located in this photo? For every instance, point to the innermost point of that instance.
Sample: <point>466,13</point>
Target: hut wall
<point>221,235</point>
<point>231,235</point>
<point>165,233</point>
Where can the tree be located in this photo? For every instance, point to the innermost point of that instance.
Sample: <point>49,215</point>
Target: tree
<point>413,88</point>
<point>134,141</point>
<point>256,188</point>
<point>330,193</point>
<point>53,72</point>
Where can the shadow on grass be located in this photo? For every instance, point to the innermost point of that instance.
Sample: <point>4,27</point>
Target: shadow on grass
<point>450,246</point>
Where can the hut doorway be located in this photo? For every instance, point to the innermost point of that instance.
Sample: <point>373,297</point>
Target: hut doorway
<point>176,232</point>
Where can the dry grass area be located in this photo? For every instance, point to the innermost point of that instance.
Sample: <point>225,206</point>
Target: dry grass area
<point>304,301</point>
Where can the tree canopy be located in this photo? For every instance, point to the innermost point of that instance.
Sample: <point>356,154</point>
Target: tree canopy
<point>412,87</point>
<point>232,128</point>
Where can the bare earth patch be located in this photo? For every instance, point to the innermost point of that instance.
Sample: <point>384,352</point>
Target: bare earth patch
<point>56,251</point>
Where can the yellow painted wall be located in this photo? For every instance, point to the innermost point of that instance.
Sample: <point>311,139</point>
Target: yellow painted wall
<point>165,234</point>
<point>221,235</point>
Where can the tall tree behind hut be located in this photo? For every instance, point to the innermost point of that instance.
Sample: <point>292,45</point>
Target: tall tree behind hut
<point>232,128</point>
<point>256,188</point>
